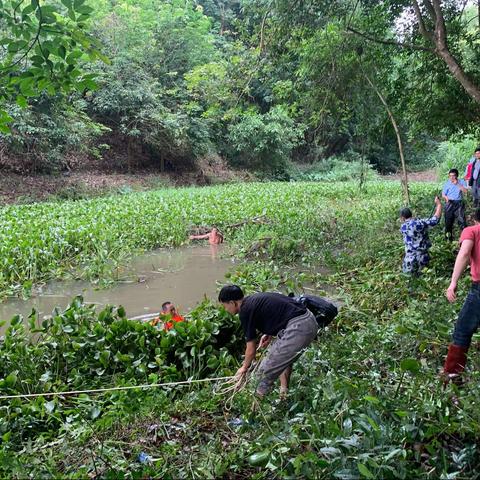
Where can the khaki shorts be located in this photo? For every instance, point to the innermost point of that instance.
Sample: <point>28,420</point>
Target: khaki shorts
<point>290,343</point>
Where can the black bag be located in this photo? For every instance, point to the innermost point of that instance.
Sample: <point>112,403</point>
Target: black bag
<point>323,310</point>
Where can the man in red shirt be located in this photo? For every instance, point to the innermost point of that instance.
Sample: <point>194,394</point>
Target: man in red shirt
<point>469,318</point>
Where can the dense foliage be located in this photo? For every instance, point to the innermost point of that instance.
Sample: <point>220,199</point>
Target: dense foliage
<point>260,83</point>
<point>366,403</point>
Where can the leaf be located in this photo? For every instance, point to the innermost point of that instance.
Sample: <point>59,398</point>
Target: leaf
<point>410,365</point>
<point>11,380</point>
<point>94,413</point>
<point>362,468</point>
<point>259,459</point>
<point>21,101</point>
<point>50,406</point>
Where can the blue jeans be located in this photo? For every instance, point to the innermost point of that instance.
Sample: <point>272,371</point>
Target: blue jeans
<point>468,319</point>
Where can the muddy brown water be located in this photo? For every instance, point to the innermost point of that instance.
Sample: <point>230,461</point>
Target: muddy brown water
<point>183,276</point>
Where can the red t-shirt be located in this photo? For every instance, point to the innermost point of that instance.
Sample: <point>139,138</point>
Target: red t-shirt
<point>473,233</point>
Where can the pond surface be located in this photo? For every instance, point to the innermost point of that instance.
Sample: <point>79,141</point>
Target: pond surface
<point>183,276</point>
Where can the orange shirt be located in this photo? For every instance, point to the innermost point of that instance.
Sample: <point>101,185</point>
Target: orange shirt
<point>175,319</point>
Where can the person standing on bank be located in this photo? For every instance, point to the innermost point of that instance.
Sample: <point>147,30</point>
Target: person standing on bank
<point>452,193</point>
<point>415,238</point>
<point>474,180</point>
<point>273,315</point>
<point>469,318</point>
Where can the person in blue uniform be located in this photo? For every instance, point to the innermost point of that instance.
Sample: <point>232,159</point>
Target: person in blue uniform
<point>415,238</point>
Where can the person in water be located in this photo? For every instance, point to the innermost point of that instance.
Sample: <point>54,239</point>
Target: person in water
<point>214,237</point>
<point>168,316</point>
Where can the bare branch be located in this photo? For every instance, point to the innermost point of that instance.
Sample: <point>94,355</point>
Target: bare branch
<point>440,29</point>
<point>421,24</point>
<point>429,7</point>
<point>395,43</point>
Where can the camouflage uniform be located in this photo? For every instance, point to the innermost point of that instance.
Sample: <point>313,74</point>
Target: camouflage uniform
<point>417,243</point>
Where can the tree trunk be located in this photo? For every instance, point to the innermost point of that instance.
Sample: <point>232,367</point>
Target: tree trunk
<point>406,193</point>
<point>457,71</point>
<point>438,36</point>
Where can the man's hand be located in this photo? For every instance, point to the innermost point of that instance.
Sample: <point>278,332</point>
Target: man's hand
<point>451,292</point>
<point>241,371</point>
<point>437,200</point>
<point>265,341</point>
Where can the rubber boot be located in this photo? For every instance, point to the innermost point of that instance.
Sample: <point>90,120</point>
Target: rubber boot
<point>454,363</point>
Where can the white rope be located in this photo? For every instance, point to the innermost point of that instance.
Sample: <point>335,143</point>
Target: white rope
<point>112,389</point>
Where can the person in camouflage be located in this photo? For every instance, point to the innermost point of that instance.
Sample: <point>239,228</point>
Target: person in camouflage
<point>415,238</point>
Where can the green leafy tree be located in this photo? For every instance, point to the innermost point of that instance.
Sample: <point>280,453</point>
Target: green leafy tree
<point>42,44</point>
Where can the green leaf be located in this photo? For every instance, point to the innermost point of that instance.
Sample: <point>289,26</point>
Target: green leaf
<point>28,9</point>
<point>364,471</point>
<point>68,3</point>
<point>259,459</point>
<point>11,380</point>
<point>21,101</point>
<point>84,10</point>
<point>410,365</point>
<point>6,436</point>
<point>72,57</point>
<point>61,51</point>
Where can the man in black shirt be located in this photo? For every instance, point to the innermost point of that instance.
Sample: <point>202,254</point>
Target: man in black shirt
<point>273,315</point>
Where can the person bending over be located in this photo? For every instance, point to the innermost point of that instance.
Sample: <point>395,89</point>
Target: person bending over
<point>273,315</point>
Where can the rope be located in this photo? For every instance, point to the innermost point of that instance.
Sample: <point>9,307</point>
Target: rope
<point>112,389</point>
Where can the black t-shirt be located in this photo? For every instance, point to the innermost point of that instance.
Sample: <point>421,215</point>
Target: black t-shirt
<point>268,313</point>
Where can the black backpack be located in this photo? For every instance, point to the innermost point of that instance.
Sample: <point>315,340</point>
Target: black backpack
<point>323,310</point>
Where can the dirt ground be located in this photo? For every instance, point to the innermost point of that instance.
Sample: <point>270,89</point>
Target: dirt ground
<point>15,188</point>
<point>426,176</point>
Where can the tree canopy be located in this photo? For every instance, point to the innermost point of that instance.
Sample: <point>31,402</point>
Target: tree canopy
<point>163,83</point>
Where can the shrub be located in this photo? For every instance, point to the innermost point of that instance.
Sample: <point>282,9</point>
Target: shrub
<point>264,142</point>
<point>455,153</point>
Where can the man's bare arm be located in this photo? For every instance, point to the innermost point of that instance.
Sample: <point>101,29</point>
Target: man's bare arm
<point>199,237</point>
<point>461,263</point>
<point>250,352</point>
